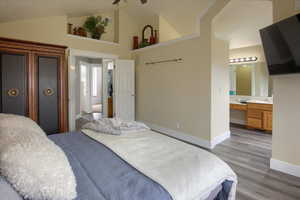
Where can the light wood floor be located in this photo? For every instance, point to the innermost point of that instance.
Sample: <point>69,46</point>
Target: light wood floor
<point>249,153</point>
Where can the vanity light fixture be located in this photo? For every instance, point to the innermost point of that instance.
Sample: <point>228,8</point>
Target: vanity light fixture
<point>241,60</point>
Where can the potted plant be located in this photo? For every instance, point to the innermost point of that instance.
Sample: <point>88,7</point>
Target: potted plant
<point>95,25</point>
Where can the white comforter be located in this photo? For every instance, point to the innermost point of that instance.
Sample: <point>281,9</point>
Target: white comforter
<point>185,171</point>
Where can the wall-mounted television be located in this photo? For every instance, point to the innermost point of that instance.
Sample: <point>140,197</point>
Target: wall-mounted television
<point>281,42</point>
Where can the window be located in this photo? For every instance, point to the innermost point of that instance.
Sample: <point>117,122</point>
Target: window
<point>95,74</point>
<point>83,70</point>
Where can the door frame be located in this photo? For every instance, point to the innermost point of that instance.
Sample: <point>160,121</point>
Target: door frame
<point>72,77</point>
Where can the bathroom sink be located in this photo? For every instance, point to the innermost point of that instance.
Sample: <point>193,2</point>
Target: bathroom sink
<point>259,101</point>
<point>237,102</point>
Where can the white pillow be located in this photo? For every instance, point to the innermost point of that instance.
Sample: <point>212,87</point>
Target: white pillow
<point>36,167</point>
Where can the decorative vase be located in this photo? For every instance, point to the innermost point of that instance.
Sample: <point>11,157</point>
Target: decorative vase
<point>81,32</point>
<point>135,42</point>
<point>96,36</point>
<point>156,40</point>
<point>98,32</point>
<point>70,28</point>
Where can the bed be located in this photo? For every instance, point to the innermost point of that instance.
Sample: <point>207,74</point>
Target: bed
<point>103,174</point>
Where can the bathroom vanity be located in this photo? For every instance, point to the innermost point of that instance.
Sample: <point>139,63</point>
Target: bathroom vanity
<point>259,114</point>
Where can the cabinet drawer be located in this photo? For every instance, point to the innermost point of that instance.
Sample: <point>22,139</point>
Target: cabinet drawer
<point>257,114</point>
<point>238,107</point>
<point>254,123</point>
<point>255,106</point>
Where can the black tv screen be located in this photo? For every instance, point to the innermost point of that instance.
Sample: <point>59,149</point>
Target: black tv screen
<point>281,42</point>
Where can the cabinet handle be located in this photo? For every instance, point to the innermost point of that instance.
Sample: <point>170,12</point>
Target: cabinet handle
<point>13,92</point>
<point>48,92</point>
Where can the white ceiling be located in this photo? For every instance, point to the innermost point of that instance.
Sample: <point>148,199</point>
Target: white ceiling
<point>240,22</point>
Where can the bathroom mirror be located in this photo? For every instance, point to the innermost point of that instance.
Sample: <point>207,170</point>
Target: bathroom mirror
<point>250,79</point>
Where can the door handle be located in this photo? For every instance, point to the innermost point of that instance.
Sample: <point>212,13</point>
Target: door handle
<point>14,92</point>
<point>48,92</point>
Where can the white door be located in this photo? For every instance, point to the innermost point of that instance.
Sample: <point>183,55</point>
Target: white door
<point>125,90</point>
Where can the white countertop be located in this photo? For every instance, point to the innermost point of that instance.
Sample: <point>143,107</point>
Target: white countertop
<point>250,101</point>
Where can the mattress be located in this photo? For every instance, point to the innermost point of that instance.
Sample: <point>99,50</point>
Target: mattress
<point>103,175</point>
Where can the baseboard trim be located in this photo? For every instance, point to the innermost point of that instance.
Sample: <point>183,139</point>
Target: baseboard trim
<point>189,138</point>
<point>180,135</point>
<point>285,167</point>
<point>219,139</point>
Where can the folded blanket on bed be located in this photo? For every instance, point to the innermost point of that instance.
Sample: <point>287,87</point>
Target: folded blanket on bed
<point>115,126</point>
<point>185,171</point>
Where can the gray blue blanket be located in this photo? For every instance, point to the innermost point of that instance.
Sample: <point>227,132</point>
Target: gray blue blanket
<point>102,175</point>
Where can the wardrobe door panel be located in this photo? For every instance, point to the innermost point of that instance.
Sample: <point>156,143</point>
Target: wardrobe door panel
<point>48,105</point>
<point>13,84</point>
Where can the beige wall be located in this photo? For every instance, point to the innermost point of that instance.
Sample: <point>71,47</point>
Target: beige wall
<point>219,88</point>
<point>169,94</point>
<point>286,135</point>
<point>53,30</point>
<point>172,93</point>
<point>167,31</point>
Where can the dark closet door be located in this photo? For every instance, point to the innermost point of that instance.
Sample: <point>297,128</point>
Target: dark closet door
<point>48,104</point>
<point>13,84</point>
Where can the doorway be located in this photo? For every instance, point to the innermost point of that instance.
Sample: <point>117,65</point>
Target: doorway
<point>101,86</point>
<point>91,87</point>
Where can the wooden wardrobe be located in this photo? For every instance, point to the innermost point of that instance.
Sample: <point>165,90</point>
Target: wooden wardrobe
<point>33,83</point>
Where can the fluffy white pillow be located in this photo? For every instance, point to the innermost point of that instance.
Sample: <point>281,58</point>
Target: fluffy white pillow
<point>36,167</point>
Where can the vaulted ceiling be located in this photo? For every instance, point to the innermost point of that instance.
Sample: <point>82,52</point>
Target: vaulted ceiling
<point>182,14</point>
<point>240,22</point>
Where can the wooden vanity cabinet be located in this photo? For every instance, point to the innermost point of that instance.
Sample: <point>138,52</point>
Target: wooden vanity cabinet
<point>268,120</point>
<point>260,116</point>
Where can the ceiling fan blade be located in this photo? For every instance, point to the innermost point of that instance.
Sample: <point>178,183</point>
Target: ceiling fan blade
<point>116,2</point>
